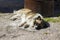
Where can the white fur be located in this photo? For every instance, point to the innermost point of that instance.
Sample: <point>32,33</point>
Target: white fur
<point>21,15</point>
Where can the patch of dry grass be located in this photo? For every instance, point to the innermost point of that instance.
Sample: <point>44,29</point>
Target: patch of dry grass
<point>52,19</point>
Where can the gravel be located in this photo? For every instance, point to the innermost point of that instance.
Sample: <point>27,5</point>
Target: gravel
<point>50,33</point>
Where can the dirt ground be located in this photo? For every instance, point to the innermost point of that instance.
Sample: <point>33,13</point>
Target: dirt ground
<point>50,33</point>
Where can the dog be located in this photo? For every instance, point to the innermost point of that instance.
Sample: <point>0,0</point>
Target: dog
<point>28,20</point>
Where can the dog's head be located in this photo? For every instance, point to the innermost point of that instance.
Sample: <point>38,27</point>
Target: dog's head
<point>40,23</point>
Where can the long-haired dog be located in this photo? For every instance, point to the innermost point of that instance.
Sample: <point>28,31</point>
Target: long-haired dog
<point>28,20</point>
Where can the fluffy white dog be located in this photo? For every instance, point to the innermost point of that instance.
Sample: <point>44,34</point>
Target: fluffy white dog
<point>27,19</point>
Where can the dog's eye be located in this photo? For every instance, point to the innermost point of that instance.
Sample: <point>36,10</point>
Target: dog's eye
<point>39,17</point>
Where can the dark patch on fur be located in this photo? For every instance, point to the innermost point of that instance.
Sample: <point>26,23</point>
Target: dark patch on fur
<point>22,24</point>
<point>39,18</point>
<point>42,25</point>
<point>14,19</point>
<point>26,26</point>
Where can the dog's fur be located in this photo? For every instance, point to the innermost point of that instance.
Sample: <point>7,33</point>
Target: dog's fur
<point>27,19</point>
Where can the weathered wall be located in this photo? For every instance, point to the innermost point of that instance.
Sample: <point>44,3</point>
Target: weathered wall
<point>10,5</point>
<point>57,8</point>
<point>44,7</point>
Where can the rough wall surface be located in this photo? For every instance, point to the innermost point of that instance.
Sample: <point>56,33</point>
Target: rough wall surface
<point>44,7</point>
<point>10,5</point>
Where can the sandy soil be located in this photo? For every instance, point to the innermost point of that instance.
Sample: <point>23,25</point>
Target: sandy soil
<point>50,33</point>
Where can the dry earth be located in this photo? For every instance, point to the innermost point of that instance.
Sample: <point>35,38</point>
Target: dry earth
<point>50,33</point>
